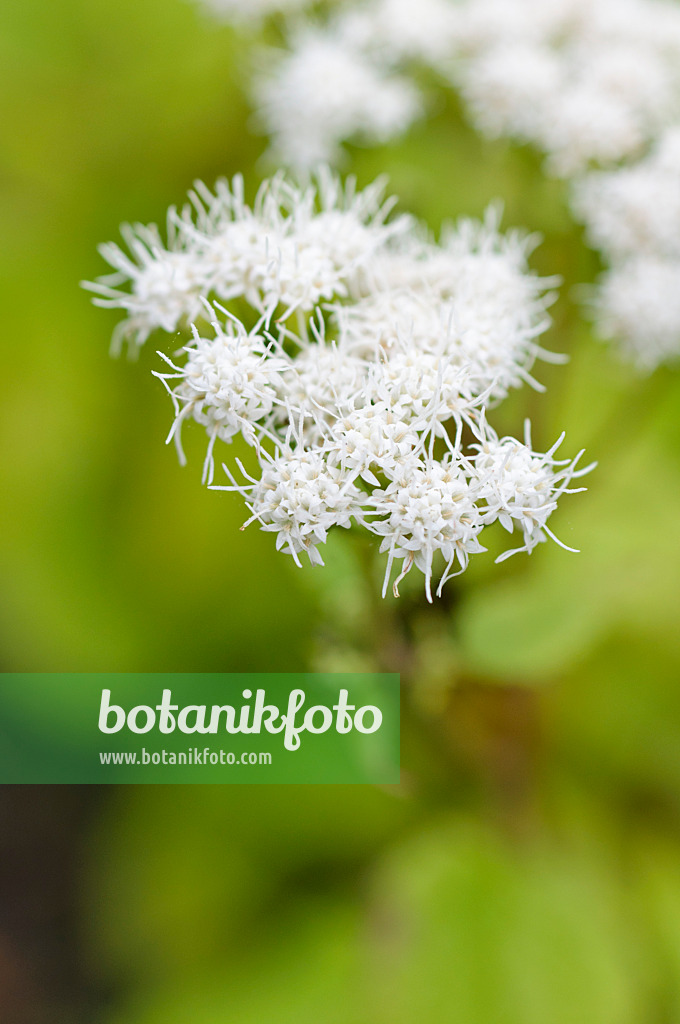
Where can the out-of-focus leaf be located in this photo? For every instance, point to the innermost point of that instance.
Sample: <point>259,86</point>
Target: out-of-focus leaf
<point>309,973</point>
<point>472,931</point>
<point>655,886</point>
<point>615,725</point>
<point>194,868</point>
<point>166,891</point>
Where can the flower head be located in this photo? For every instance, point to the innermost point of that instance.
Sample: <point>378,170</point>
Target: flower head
<point>165,282</point>
<point>360,369</point>
<point>300,497</point>
<point>229,384</point>
<point>635,209</point>
<point>325,91</point>
<point>521,487</point>
<point>585,80</point>
<point>638,304</point>
<point>295,247</point>
<point>428,510</point>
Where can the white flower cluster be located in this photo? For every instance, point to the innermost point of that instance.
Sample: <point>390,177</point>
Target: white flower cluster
<point>344,79</point>
<point>394,31</point>
<point>596,82</point>
<point>362,368</point>
<point>590,82</point>
<point>633,216</point>
<point>585,80</point>
<point>327,89</point>
<point>289,251</point>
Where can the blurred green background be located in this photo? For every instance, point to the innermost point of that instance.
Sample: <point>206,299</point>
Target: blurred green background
<point>527,870</point>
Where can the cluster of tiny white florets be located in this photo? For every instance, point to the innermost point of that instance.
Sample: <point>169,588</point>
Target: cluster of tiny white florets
<point>633,216</point>
<point>591,83</point>
<point>347,78</point>
<point>290,251</point>
<point>595,83</point>
<point>585,80</point>
<point>362,368</point>
<point>327,89</point>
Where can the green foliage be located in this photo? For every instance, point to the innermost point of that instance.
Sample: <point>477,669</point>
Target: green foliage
<point>483,932</point>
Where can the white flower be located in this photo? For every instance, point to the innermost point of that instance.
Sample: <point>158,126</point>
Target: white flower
<point>590,125</point>
<point>373,324</point>
<point>320,383</point>
<point>389,30</point>
<point>633,215</point>
<point>635,209</point>
<point>594,82</point>
<point>483,23</point>
<point>639,304</point>
<point>521,486</point>
<point>429,509</point>
<point>470,301</point>
<point>585,80</point>
<point>228,384</point>
<point>372,437</point>
<point>426,388</point>
<point>363,349</point>
<point>166,284</point>
<point>325,91</point>
<point>300,497</point>
<point>293,248</point>
<point>511,89</point>
<point>667,151</point>
<point>500,306</point>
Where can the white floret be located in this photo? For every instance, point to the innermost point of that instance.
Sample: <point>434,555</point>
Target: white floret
<point>229,384</point>
<point>321,382</point>
<point>635,209</point>
<point>162,287</point>
<point>389,30</point>
<point>300,497</point>
<point>521,487</point>
<point>372,439</point>
<point>428,510</point>
<point>585,80</point>
<point>511,89</point>
<point>295,247</point>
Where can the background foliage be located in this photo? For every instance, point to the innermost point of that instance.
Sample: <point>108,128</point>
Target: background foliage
<point>528,868</point>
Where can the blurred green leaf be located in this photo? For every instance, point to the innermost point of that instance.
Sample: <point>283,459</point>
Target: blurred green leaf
<point>472,930</point>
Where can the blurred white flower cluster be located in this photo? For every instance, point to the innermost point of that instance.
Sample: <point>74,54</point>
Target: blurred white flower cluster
<point>633,215</point>
<point>585,80</point>
<point>326,90</point>
<point>592,83</point>
<point>358,358</point>
<point>596,82</point>
<point>345,78</point>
